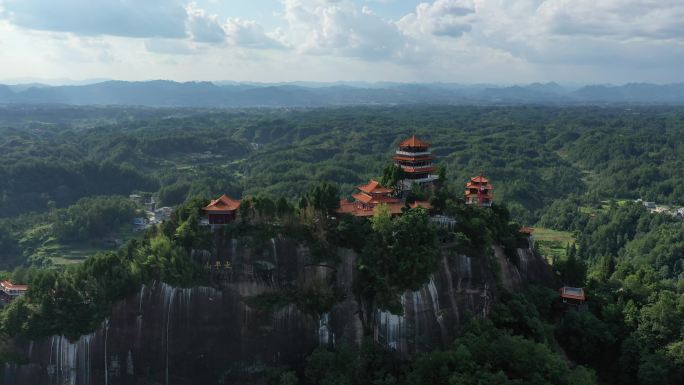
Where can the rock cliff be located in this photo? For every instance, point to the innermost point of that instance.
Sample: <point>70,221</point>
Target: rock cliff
<point>201,335</point>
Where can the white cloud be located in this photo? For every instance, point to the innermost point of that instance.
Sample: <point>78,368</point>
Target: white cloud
<point>171,47</point>
<point>442,18</point>
<point>341,28</point>
<point>249,34</point>
<point>130,18</point>
<point>204,27</point>
<point>623,19</point>
<point>447,40</point>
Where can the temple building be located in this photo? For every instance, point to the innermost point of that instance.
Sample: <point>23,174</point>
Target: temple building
<point>415,159</point>
<point>222,210</point>
<point>479,191</point>
<point>572,295</point>
<point>10,291</point>
<point>368,197</point>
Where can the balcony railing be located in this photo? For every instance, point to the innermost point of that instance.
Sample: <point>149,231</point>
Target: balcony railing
<point>407,183</point>
<point>399,152</point>
<point>427,166</point>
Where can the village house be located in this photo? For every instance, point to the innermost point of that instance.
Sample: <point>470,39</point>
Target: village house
<point>162,214</point>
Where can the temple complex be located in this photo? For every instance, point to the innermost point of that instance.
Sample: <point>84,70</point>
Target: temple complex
<point>479,191</point>
<point>415,159</point>
<point>222,210</point>
<point>368,197</point>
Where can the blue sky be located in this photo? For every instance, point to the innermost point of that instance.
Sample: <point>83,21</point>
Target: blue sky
<point>464,41</point>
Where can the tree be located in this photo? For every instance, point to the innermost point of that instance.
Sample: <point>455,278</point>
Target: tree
<point>324,197</point>
<point>391,175</point>
<point>400,254</point>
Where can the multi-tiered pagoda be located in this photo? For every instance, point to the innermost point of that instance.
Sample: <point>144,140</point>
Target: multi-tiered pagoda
<point>368,197</point>
<point>415,159</point>
<point>479,191</point>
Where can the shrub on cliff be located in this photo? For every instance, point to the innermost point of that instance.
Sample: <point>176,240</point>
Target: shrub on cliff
<point>399,254</point>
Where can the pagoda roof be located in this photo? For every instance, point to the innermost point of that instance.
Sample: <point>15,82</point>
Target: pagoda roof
<point>487,186</point>
<point>413,141</point>
<point>369,199</point>
<point>479,179</point>
<point>374,187</point>
<point>7,285</point>
<point>573,293</point>
<point>222,205</point>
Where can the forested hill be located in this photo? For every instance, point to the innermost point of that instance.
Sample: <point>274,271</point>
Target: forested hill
<point>573,173</point>
<point>534,155</point>
<point>207,94</point>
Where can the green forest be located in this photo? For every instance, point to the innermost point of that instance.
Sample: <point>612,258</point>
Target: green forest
<point>573,171</point>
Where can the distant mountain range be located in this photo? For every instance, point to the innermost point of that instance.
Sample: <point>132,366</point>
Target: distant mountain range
<point>162,93</point>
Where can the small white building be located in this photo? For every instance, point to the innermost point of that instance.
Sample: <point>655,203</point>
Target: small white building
<point>161,214</point>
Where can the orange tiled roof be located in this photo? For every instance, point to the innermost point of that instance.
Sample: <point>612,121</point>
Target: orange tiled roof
<point>573,293</point>
<point>346,207</point>
<point>10,286</point>
<point>526,230</point>
<point>374,187</point>
<point>365,198</point>
<point>369,199</point>
<point>479,179</point>
<point>222,204</point>
<point>473,185</point>
<point>413,141</point>
<point>423,204</point>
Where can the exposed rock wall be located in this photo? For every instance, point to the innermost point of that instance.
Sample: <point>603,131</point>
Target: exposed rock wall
<point>167,335</point>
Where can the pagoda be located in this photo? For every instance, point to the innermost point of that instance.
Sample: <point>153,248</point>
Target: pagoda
<point>479,191</point>
<point>221,211</point>
<point>368,198</point>
<point>415,159</point>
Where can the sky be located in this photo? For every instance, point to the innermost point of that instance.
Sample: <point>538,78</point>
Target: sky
<point>460,41</point>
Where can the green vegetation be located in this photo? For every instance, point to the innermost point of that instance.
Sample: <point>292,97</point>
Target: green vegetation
<point>512,348</point>
<point>69,235</point>
<point>553,244</point>
<point>572,173</point>
<point>398,255</point>
<point>635,278</point>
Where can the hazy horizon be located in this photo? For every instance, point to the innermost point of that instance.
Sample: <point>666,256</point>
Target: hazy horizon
<point>57,82</point>
<point>452,41</point>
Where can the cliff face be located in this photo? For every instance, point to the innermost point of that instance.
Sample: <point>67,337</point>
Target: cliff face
<point>167,335</point>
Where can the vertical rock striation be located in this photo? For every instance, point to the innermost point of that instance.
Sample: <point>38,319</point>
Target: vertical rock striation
<point>200,335</point>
